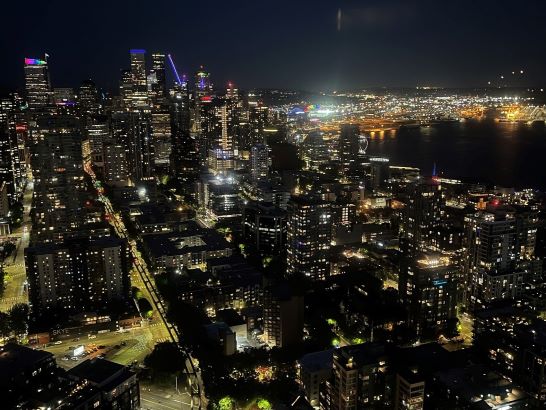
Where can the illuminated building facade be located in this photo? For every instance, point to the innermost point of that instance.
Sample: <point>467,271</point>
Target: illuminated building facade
<point>139,89</point>
<point>428,287</point>
<point>57,167</point>
<point>308,238</point>
<point>77,275</point>
<point>259,162</point>
<point>37,84</point>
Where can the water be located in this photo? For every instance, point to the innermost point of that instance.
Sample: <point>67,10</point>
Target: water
<point>504,154</point>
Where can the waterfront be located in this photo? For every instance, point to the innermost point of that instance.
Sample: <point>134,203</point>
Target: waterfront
<point>505,154</point>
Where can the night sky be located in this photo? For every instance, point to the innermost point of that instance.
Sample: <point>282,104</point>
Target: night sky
<point>286,44</point>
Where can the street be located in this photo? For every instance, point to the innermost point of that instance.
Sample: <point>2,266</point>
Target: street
<point>166,330</point>
<point>14,266</point>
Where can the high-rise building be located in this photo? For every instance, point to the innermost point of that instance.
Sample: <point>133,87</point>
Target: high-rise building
<point>77,275</point>
<point>88,98</point>
<point>98,133</point>
<point>428,287</point>
<point>499,257</point>
<point>133,131</point>
<point>349,147</point>
<point>422,216</point>
<point>116,171</point>
<point>158,86</point>
<point>264,226</point>
<point>379,172</point>
<point>162,139</point>
<point>314,151</point>
<point>308,238</point>
<point>57,167</point>
<point>360,379</point>
<point>126,88</point>
<point>37,84</point>
<point>259,162</point>
<point>139,92</point>
<point>203,113</point>
<point>283,316</point>
<point>12,157</point>
<point>185,159</point>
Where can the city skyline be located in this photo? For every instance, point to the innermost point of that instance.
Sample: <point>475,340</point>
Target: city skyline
<point>323,45</point>
<point>174,237</point>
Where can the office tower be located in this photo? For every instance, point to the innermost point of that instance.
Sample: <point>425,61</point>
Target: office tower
<point>308,237</point>
<point>348,148</point>
<point>88,98</point>
<point>422,216</point>
<point>77,275</point>
<point>264,226</point>
<point>139,92</point>
<point>37,84</point>
<point>203,84</point>
<point>202,99</point>
<point>116,170</point>
<point>360,378</point>
<point>428,287</point>
<point>283,316</point>
<point>98,133</point>
<point>259,162</point>
<point>158,86</point>
<point>184,151</point>
<point>57,167</point>
<point>126,88</point>
<point>161,135</point>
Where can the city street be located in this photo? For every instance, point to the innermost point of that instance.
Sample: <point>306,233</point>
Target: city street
<point>161,398</point>
<point>165,330</point>
<point>14,266</point>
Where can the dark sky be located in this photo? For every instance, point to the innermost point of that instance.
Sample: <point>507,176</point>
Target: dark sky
<point>288,44</point>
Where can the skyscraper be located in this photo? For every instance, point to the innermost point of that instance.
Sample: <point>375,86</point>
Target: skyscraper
<point>37,84</point>
<point>499,260</point>
<point>428,287</point>
<point>259,162</point>
<point>309,233</point>
<point>158,87</point>
<point>422,216</point>
<point>57,166</point>
<point>349,145</point>
<point>88,98</point>
<point>139,94</point>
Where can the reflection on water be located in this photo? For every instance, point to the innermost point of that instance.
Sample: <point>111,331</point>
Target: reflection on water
<point>507,154</point>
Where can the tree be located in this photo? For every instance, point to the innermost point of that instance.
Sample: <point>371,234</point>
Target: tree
<point>225,403</point>
<point>18,318</point>
<point>166,358</point>
<point>264,404</point>
<point>5,328</point>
